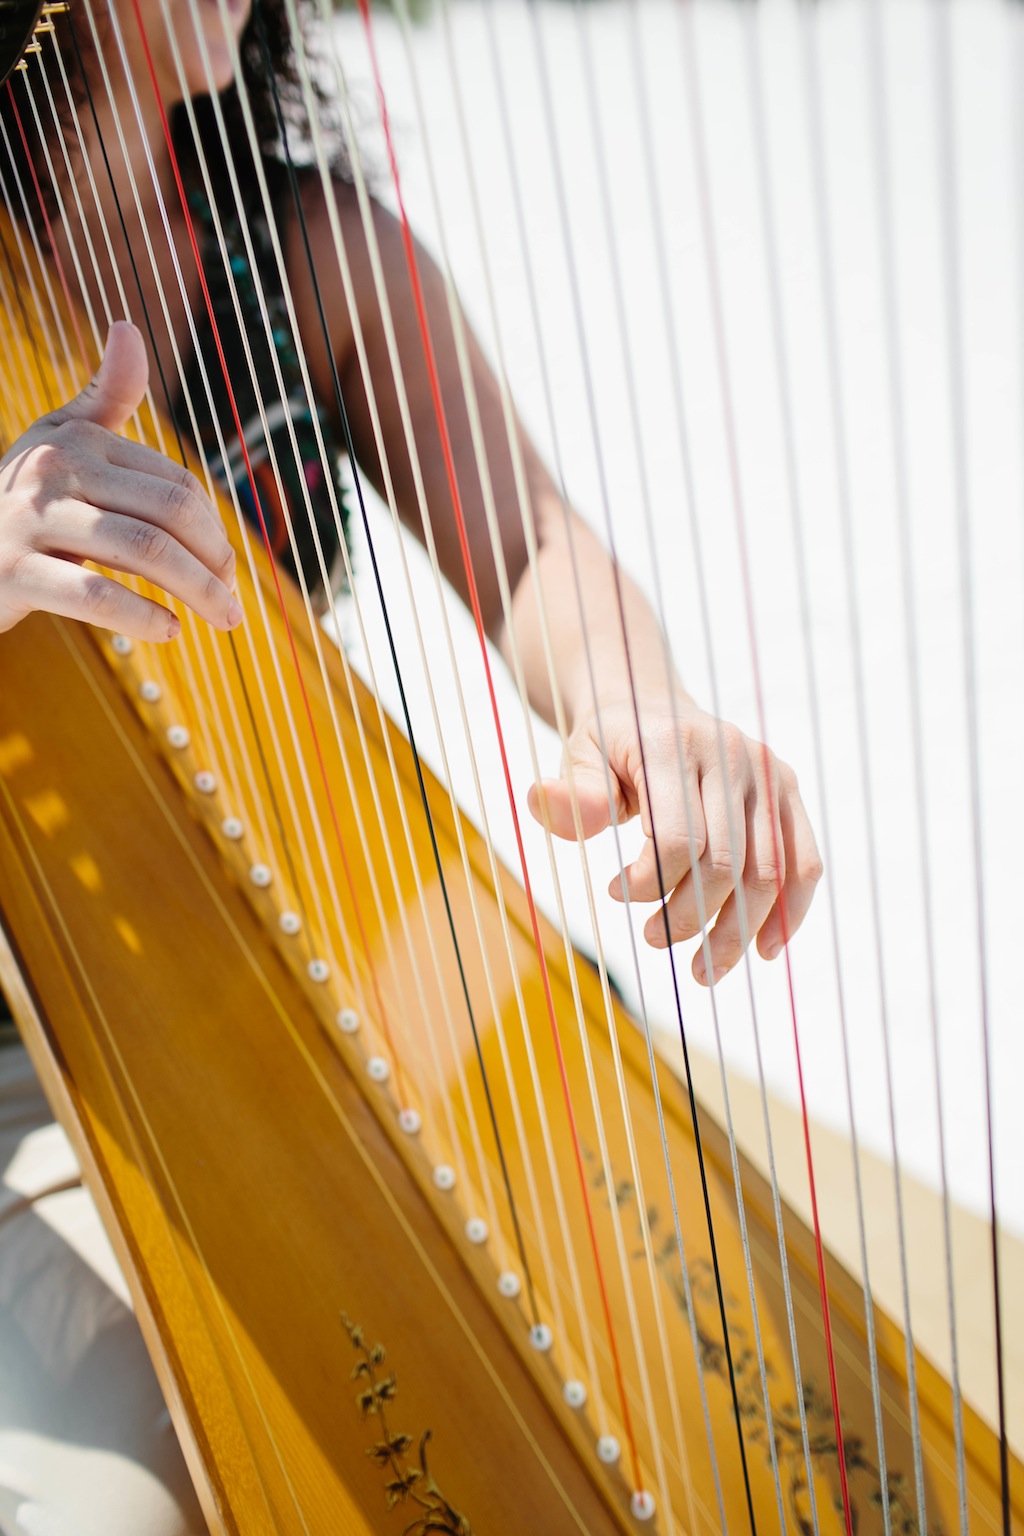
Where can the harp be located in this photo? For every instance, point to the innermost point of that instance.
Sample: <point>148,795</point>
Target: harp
<point>423,1231</point>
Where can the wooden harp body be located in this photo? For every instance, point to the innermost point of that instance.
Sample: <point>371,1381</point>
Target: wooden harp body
<point>346,1341</point>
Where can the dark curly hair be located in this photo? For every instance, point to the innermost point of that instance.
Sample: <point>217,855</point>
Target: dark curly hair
<point>269,76</point>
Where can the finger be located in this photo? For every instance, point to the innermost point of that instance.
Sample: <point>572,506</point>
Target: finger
<point>698,897</point>
<point>804,870</point>
<point>126,453</point>
<point>115,391</point>
<point>764,876</point>
<point>586,776</point>
<point>140,549</point>
<point>676,834</point>
<point>56,586</point>
<point>175,503</point>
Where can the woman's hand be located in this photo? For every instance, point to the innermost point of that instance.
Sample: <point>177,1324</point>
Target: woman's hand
<point>72,489</point>
<point>720,812</point>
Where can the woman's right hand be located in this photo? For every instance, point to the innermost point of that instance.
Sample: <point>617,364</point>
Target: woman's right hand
<point>72,489</point>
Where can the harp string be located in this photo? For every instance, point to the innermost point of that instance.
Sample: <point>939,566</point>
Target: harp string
<point>382,297</point>
<point>271,726</point>
<point>645,501</point>
<point>116,1056</point>
<point>495,1008</point>
<point>322,1085</point>
<point>414,459</point>
<point>48,234</point>
<point>239,746</point>
<point>396,1056</point>
<point>895,399</point>
<point>354,971</point>
<point>945,108</point>
<point>499,1235</point>
<point>29,375</point>
<point>114,1066</point>
<point>307,385</point>
<point>709,242</point>
<point>59,356</point>
<point>611,799</point>
<point>196,1246</point>
<point>383,1014</point>
<point>567,244</point>
<point>331,206</point>
<point>472,404</point>
<point>439,410</point>
<point>191,691</point>
<point>252,809</point>
<point>63,218</point>
<point>208,738</point>
<point>269,215</point>
<point>522,495</point>
<point>198,1252</point>
<point>517,204</point>
<point>781,362</point>
<point>837,418</point>
<point>255,803</point>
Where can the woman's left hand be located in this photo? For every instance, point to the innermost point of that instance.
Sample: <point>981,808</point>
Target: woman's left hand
<point>726,831</point>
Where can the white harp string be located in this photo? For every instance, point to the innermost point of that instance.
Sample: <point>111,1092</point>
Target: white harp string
<point>472,406</point>
<point>256,800</point>
<point>517,203</point>
<point>425,1011</point>
<point>296,821</point>
<point>766,203</point>
<point>385,310</point>
<point>204,702</point>
<point>879,116</point>
<point>949,210</point>
<point>836,401</point>
<point>262,406</point>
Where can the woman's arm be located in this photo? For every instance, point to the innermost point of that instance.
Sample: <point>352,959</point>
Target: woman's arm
<point>703,787</point>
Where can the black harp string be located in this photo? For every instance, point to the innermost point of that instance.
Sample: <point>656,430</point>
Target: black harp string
<point>562,492</point>
<point>406,714</point>
<point>620,605</point>
<point>945,107</point>
<point>172,414</point>
<point>512,431</point>
<point>645,499</point>
<point>525,510</point>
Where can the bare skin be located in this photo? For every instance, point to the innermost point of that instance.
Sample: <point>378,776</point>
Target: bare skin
<point>732,826</point>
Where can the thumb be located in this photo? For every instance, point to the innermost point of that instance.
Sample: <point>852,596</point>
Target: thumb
<point>115,391</point>
<point>583,772</point>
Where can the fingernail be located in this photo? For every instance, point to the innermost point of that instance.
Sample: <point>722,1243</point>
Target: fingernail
<point>234,613</point>
<point>774,949</point>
